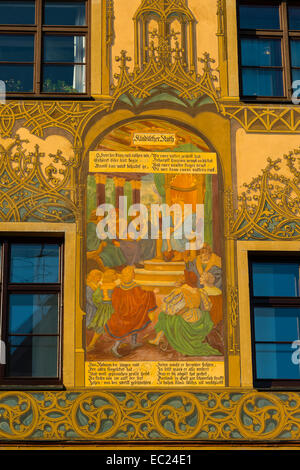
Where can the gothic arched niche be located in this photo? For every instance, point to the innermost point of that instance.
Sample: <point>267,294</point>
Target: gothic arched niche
<point>174,34</point>
<point>154,305</point>
<point>165,56</point>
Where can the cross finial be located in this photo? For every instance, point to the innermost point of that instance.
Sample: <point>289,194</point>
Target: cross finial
<point>123,58</point>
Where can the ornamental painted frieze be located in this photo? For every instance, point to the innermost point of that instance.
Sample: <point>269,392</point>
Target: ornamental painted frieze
<point>149,416</point>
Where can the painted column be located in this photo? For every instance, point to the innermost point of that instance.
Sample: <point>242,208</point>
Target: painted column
<point>136,191</point>
<point>119,184</point>
<point>100,189</point>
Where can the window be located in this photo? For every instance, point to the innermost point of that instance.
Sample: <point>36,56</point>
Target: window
<point>43,47</point>
<point>31,312</point>
<point>275,314</point>
<point>269,43</point>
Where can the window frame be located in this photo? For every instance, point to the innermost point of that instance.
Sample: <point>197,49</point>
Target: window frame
<point>7,287</point>
<point>265,256</point>
<point>39,30</point>
<point>284,33</point>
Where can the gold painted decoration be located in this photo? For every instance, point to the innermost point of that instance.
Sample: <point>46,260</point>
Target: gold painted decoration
<point>18,415</point>
<point>96,416</point>
<point>159,71</point>
<point>232,294</point>
<point>110,23</point>
<point>165,8</point>
<point>220,14</point>
<point>149,416</point>
<point>33,188</point>
<point>263,119</point>
<point>40,116</point>
<point>269,208</point>
<point>54,415</point>
<point>164,56</point>
<point>74,117</point>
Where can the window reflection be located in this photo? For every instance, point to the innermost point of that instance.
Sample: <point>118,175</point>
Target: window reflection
<point>273,361</point>
<point>58,76</point>
<point>275,303</point>
<point>257,82</point>
<point>33,314</point>
<point>50,32</point>
<point>31,295</point>
<point>261,52</point>
<point>295,52</point>
<point>17,12</point>
<point>34,263</point>
<point>16,48</point>
<point>277,324</point>
<point>267,31</point>
<point>64,13</point>
<point>259,17</point>
<point>32,356</point>
<point>64,49</point>
<point>261,67</point>
<point>294,18</point>
<point>276,280</point>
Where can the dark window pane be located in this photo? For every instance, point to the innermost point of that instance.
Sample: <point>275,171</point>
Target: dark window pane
<point>259,17</point>
<point>296,76</point>
<point>34,263</point>
<point>261,52</point>
<point>295,52</point>
<point>64,49</point>
<point>64,78</point>
<point>16,48</point>
<point>17,78</point>
<point>262,82</point>
<point>17,12</point>
<point>276,280</point>
<point>32,356</point>
<point>274,361</point>
<point>277,324</point>
<point>33,314</point>
<point>64,13</point>
<point>294,18</point>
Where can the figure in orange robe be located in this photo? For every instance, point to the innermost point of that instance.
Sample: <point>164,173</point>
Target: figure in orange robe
<point>131,306</point>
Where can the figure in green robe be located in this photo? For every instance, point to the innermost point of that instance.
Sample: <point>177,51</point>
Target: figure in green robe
<point>185,320</point>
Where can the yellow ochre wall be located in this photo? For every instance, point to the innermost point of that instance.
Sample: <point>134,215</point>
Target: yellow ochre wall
<point>244,136</point>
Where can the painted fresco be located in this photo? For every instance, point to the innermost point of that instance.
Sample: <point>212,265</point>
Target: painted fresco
<point>152,301</point>
<point>154,304</point>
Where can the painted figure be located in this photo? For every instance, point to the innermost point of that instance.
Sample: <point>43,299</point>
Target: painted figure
<point>102,299</point>
<point>207,261</point>
<point>94,246</point>
<point>94,277</point>
<point>208,280</point>
<point>178,242</point>
<point>131,306</point>
<point>185,320</point>
<point>148,245</point>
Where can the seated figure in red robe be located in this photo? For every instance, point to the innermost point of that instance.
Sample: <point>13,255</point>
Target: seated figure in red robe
<point>131,306</point>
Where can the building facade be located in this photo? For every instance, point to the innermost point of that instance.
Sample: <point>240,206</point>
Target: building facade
<point>158,102</point>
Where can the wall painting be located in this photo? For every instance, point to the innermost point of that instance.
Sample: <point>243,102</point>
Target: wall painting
<point>154,299</point>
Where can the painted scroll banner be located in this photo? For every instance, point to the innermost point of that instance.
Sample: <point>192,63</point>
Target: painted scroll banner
<point>152,139</point>
<point>150,373</point>
<point>153,162</point>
